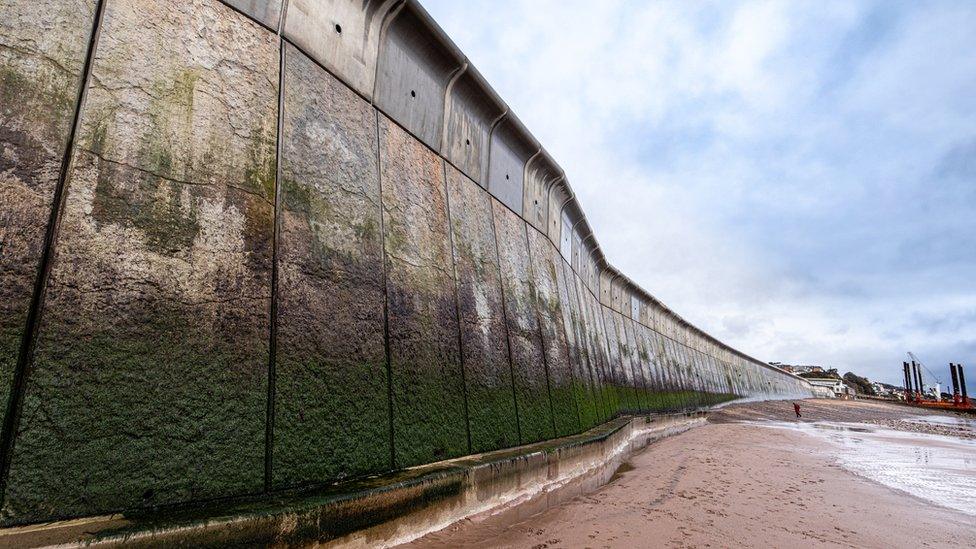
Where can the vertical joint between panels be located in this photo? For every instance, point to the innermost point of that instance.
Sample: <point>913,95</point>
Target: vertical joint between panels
<point>508,335</point>
<point>538,324</point>
<point>25,353</point>
<point>275,244</point>
<point>386,294</point>
<point>457,304</point>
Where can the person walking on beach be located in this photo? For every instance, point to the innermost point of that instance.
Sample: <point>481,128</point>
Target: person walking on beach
<point>796,408</point>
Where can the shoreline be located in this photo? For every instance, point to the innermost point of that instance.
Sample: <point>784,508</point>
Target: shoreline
<point>737,481</point>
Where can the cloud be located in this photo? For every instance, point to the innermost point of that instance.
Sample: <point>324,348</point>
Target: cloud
<point>794,177</point>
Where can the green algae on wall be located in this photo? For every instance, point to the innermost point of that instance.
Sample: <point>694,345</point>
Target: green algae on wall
<point>429,421</point>
<point>331,403</point>
<point>584,381</point>
<point>528,354</point>
<point>43,45</point>
<point>149,382</point>
<point>564,387</point>
<point>597,342</point>
<point>618,381</point>
<point>588,359</point>
<point>638,358</point>
<point>484,336</point>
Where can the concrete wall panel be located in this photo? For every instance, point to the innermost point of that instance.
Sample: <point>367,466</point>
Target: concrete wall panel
<point>331,405</point>
<point>342,35</point>
<point>425,364</point>
<point>623,367</point>
<point>558,195</point>
<point>541,174</point>
<point>566,239</point>
<point>528,354</point>
<point>587,395</point>
<point>149,383</point>
<point>588,360</point>
<point>43,44</point>
<point>511,148</point>
<point>654,387</point>
<point>576,256</point>
<point>565,389</point>
<point>636,362</point>
<point>472,110</point>
<point>415,66</point>
<point>662,365</point>
<point>484,335</point>
<point>599,347</point>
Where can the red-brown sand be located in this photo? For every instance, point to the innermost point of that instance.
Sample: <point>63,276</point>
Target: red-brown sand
<point>733,484</point>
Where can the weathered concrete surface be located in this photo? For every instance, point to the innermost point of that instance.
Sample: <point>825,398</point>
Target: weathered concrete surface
<point>620,360</point>
<point>331,404</point>
<point>484,336</point>
<point>596,341</point>
<point>657,390</point>
<point>149,383</point>
<point>43,44</point>
<point>528,354</point>
<point>634,349</point>
<point>592,412</point>
<point>565,390</point>
<point>427,387</point>
<point>606,337</point>
<point>664,364</point>
<point>682,382</point>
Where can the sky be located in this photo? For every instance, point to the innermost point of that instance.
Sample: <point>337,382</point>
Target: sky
<point>797,178</point>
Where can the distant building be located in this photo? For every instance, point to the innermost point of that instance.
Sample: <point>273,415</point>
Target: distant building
<point>888,391</point>
<point>798,368</point>
<point>837,386</point>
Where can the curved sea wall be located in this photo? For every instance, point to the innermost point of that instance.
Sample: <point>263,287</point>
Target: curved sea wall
<point>247,246</point>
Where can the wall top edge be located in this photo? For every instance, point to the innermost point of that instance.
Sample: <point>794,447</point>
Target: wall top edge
<point>481,84</point>
<point>549,165</point>
<point>511,124</point>
<point>414,8</point>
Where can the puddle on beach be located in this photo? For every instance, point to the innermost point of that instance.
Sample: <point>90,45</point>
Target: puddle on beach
<point>940,469</point>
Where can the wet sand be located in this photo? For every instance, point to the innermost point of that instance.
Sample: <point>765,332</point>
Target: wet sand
<point>735,482</point>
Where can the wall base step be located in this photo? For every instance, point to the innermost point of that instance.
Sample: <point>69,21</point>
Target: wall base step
<point>384,510</point>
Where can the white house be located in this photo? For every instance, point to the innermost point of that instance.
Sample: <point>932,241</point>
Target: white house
<point>837,386</point>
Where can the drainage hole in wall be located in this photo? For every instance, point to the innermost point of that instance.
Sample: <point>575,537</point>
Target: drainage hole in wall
<point>506,176</point>
<point>338,28</point>
<point>413,93</point>
<point>467,141</point>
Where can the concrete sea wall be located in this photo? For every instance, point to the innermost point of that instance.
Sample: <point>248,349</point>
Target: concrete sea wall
<point>252,245</point>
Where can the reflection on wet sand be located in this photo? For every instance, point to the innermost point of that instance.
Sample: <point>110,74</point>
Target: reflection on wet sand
<point>938,468</point>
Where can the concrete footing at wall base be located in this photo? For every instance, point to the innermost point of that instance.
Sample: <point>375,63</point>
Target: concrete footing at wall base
<point>384,510</point>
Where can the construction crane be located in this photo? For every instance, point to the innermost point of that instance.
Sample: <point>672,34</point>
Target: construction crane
<point>919,362</point>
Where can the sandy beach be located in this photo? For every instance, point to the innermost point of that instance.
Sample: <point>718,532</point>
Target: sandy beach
<point>754,476</point>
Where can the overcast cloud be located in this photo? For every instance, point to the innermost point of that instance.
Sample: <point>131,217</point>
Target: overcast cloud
<point>798,177</point>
